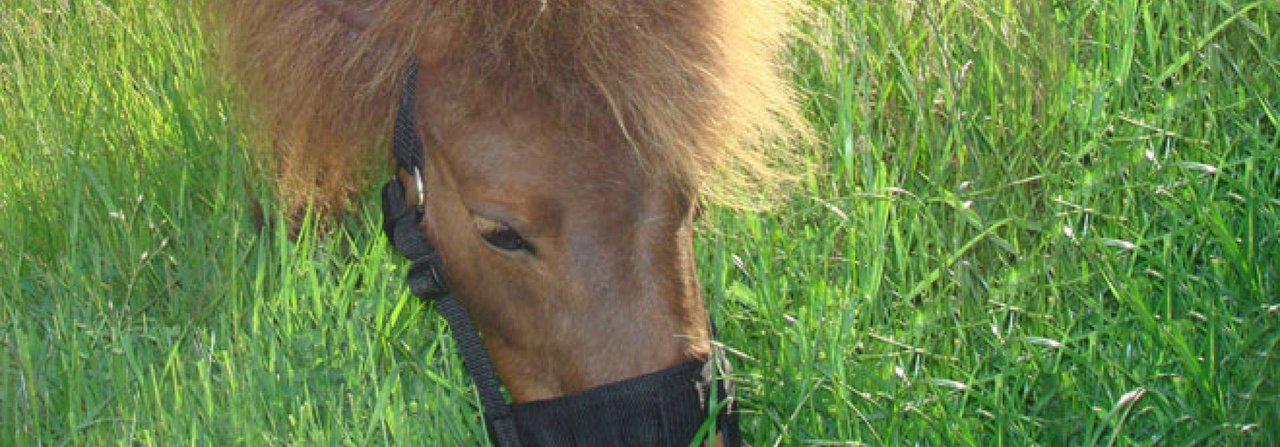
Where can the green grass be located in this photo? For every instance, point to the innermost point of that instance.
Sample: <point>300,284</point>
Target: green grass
<point>1035,223</point>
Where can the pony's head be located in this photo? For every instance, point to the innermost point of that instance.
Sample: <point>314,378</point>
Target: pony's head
<point>575,260</point>
<point>567,145</point>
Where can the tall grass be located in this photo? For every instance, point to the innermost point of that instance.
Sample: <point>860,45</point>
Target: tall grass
<point>1034,223</point>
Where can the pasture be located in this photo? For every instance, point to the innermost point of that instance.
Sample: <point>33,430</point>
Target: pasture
<point>1026,223</point>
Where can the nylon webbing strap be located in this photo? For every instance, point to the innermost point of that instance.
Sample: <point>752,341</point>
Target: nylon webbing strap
<point>426,279</point>
<point>497,415</point>
<point>405,144</point>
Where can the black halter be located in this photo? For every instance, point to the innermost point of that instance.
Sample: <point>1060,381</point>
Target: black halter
<point>664,408</point>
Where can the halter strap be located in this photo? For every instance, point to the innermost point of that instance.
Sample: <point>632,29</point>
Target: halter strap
<point>406,145</point>
<point>426,269</point>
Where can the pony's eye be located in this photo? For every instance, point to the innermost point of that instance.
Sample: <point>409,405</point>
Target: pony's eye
<point>506,238</point>
<point>501,235</point>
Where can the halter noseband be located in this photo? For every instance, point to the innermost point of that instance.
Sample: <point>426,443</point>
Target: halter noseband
<point>667,407</point>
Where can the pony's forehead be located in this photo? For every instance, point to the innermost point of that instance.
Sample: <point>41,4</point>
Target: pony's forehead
<point>688,88</point>
<point>523,152</point>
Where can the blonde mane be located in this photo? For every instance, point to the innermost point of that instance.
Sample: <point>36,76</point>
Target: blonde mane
<point>697,89</point>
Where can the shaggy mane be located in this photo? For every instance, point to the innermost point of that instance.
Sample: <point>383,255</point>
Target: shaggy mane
<point>697,89</point>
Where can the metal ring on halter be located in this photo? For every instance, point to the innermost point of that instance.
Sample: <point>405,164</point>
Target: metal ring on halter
<point>417,181</point>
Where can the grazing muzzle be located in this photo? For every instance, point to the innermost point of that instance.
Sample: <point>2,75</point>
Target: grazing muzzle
<point>664,408</point>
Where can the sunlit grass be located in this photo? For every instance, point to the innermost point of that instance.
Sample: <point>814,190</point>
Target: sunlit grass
<point>1035,223</point>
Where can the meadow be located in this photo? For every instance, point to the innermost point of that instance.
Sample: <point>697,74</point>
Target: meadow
<point>1026,223</point>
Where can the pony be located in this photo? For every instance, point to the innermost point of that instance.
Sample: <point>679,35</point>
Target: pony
<point>569,145</point>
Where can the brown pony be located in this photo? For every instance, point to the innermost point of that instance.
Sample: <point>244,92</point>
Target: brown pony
<point>568,145</point>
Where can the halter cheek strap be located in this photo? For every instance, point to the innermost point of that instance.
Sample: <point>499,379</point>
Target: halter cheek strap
<point>401,223</point>
<point>667,407</point>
